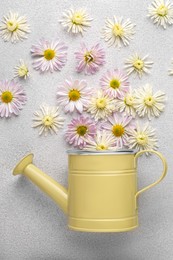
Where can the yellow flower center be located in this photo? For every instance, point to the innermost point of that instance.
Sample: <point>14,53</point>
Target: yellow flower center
<point>77,18</point>
<point>115,83</point>
<point>23,71</point>
<point>74,95</point>
<point>101,103</point>
<point>162,10</point>
<point>118,30</point>
<point>81,130</point>
<point>49,54</point>
<point>101,147</point>
<point>129,100</point>
<point>88,57</point>
<point>6,97</point>
<point>142,139</point>
<point>138,64</point>
<point>149,101</point>
<point>118,130</point>
<point>48,120</point>
<point>12,26</point>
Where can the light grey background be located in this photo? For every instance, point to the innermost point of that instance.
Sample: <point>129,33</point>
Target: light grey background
<point>31,225</point>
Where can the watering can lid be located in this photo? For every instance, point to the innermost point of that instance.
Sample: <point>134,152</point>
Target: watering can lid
<point>89,152</point>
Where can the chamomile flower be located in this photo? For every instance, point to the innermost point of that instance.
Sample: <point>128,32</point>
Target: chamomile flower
<point>143,138</point>
<point>119,125</point>
<point>101,106</point>
<point>148,103</point>
<point>90,59</point>
<point>74,95</point>
<point>21,70</point>
<point>102,141</point>
<point>49,55</point>
<point>138,65</point>
<point>126,104</point>
<point>76,21</point>
<point>161,12</point>
<point>117,31</point>
<point>48,119</point>
<point>115,83</point>
<point>14,28</point>
<point>12,98</point>
<point>79,131</point>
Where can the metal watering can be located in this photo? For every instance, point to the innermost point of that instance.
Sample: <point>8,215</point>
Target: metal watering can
<point>102,193</point>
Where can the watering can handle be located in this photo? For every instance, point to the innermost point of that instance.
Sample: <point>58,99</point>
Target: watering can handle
<point>163,173</point>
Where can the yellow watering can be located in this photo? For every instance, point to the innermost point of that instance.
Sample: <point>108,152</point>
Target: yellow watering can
<point>102,193</point>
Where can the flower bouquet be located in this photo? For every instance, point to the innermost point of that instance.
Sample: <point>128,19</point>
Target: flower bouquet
<point>108,116</point>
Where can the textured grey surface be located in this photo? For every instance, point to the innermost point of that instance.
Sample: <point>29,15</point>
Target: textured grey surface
<point>31,225</point>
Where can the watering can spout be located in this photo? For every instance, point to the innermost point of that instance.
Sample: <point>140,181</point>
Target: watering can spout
<point>49,186</point>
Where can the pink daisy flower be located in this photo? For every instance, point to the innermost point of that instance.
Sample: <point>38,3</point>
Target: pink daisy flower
<point>74,95</point>
<point>79,131</point>
<point>49,55</point>
<point>120,126</point>
<point>115,83</point>
<point>12,98</point>
<point>89,60</point>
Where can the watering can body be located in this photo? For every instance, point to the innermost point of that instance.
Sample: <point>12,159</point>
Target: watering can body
<point>102,189</point>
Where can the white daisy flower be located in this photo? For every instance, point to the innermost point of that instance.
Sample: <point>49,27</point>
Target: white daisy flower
<point>48,119</point>
<point>74,95</point>
<point>118,32</point>
<point>142,138</point>
<point>76,21</point>
<point>148,103</point>
<point>126,104</point>
<point>161,12</point>
<point>101,106</point>
<point>102,141</point>
<point>138,65</point>
<point>49,55</point>
<point>14,27</point>
<point>21,70</point>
